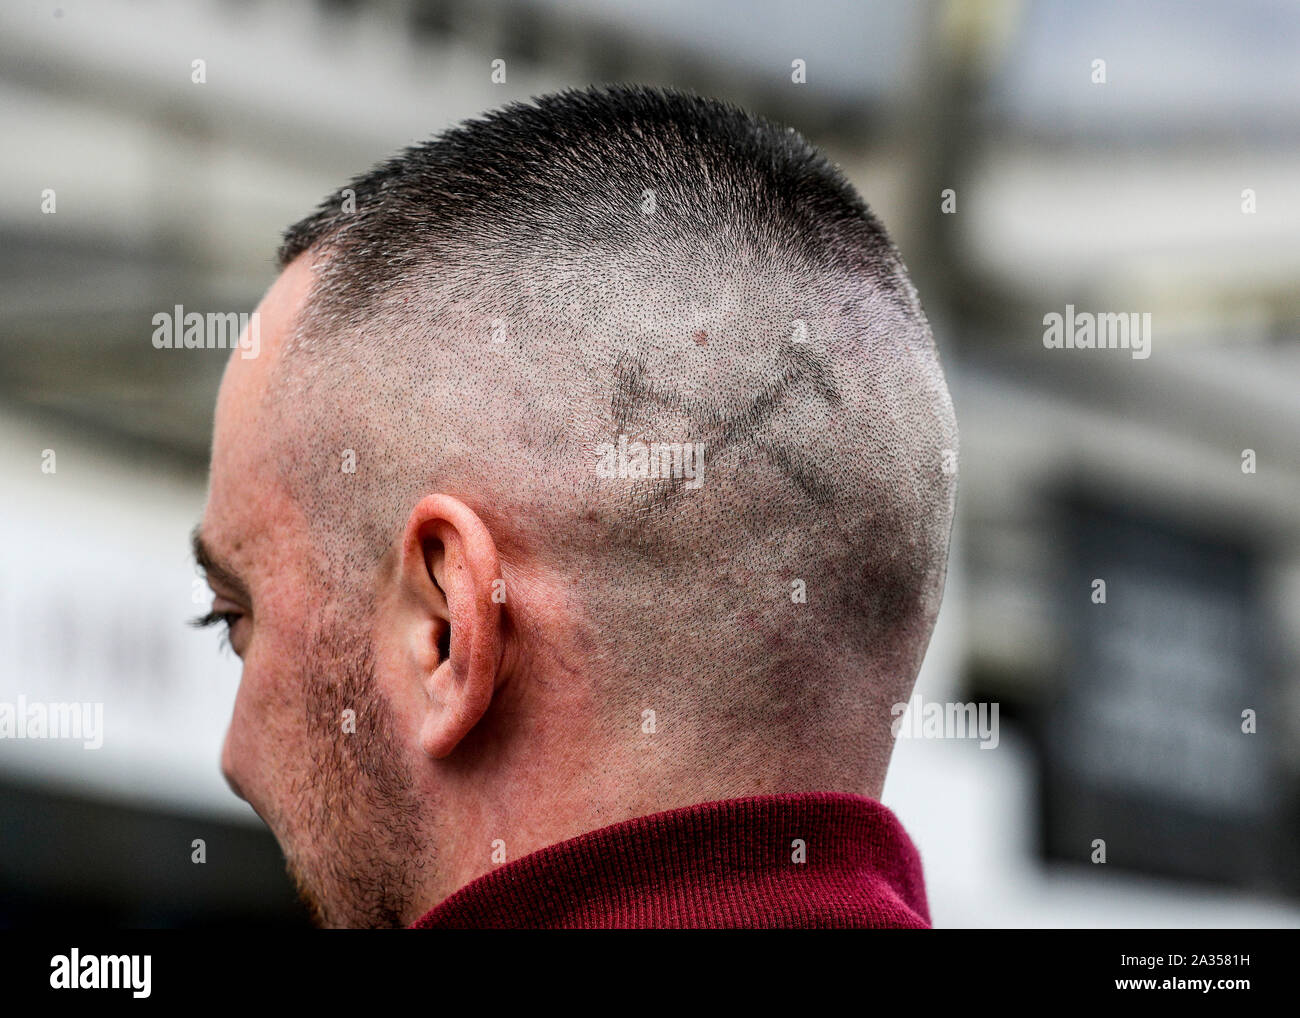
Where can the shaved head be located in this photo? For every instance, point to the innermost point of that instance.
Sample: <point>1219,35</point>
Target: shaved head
<point>629,262</point>
<point>513,313</point>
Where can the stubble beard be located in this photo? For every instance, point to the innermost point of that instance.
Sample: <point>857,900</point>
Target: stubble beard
<point>360,852</point>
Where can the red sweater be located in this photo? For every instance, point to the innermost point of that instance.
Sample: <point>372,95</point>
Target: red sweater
<point>718,864</point>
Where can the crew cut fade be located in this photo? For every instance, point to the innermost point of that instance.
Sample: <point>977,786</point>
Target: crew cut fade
<point>611,266</point>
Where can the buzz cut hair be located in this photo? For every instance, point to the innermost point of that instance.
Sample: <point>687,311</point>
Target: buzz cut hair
<point>623,267</point>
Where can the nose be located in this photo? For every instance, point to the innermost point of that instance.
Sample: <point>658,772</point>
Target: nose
<point>228,770</point>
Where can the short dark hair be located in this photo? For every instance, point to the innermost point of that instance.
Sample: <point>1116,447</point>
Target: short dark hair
<point>563,168</point>
<point>643,262</point>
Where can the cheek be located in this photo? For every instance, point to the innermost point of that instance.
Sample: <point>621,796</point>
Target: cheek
<point>266,727</point>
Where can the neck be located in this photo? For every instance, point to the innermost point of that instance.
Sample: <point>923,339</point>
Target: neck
<point>503,799</point>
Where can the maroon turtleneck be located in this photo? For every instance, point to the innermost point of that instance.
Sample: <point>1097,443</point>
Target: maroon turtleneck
<point>732,863</point>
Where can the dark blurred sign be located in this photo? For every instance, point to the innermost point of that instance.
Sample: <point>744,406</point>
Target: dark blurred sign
<point>1144,746</point>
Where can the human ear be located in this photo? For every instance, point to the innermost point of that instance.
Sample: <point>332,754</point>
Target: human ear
<point>449,567</point>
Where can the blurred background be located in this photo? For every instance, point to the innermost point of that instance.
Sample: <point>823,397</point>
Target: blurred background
<point>1026,156</point>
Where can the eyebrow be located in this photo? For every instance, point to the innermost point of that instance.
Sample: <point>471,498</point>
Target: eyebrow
<point>214,569</point>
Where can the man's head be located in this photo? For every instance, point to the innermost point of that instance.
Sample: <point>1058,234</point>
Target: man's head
<point>598,461</point>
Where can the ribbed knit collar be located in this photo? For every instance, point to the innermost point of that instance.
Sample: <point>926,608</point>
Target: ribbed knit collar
<point>732,863</point>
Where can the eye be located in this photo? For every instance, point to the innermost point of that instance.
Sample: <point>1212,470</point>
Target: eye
<point>214,618</point>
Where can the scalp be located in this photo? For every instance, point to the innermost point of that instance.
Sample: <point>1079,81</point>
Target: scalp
<point>500,302</point>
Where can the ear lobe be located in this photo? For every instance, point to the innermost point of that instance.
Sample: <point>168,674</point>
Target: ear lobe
<point>461,558</point>
<point>454,709</point>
